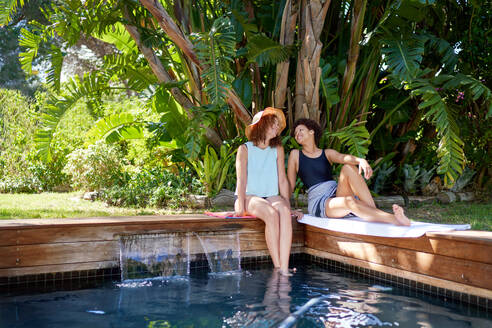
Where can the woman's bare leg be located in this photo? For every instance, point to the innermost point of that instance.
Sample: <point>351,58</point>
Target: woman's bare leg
<point>351,183</point>
<point>285,240</point>
<point>341,206</point>
<point>263,210</point>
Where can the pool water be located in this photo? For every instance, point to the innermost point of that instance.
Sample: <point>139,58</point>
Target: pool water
<point>251,298</point>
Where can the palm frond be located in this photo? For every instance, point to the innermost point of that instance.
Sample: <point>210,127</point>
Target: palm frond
<point>174,121</point>
<point>444,50</point>
<point>467,83</point>
<point>450,150</point>
<point>7,9</point>
<point>128,67</point>
<point>355,137</point>
<point>115,127</point>
<point>32,42</point>
<point>54,72</point>
<point>216,50</point>
<point>92,86</point>
<point>403,57</point>
<point>120,38</point>
<point>265,51</point>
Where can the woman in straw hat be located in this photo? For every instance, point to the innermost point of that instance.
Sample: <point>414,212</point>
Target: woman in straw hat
<point>262,188</point>
<point>326,197</point>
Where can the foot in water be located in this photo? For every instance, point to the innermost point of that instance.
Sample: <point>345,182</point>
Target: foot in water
<point>400,215</point>
<point>287,273</point>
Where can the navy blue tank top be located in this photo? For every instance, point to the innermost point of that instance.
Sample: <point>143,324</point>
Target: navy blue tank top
<point>314,170</point>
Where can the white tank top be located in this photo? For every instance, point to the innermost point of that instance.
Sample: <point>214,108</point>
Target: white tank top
<point>262,171</point>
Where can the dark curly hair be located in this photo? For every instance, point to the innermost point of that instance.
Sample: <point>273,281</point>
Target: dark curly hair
<point>259,130</point>
<point>311,125</point>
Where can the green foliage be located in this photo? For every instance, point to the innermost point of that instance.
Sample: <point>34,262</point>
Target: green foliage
<point>383,175</point>
<point>329,86</point>
<point>216,50</point>
<point>92,86</point>
<point>412,175</point>
<point>116,127</point>
<point>97,167</point>
<point>450,150</point>
<point>7,8</point>
<point>213,169</point>
<point>120,38</point>
<point>20,169</point>
<point>403,56</point>
<point>156,186</point>
<point>355,137</point>
<point>265,51</point>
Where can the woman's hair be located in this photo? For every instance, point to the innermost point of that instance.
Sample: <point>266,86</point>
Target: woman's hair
<point>311,125</point>
<point>259,130</point>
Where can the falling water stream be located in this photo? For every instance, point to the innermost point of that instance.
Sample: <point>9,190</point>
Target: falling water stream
<point>169,254</point>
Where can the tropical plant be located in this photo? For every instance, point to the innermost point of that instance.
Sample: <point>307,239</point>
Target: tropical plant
<point>411,176</point>
<point>383,175</point>
<point>213,169</point>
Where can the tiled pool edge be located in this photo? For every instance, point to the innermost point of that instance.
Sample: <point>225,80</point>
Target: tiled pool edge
<point>335,262</point>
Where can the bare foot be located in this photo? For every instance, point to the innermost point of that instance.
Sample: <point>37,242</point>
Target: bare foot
<point>400,216</point>
<point>285,273</point>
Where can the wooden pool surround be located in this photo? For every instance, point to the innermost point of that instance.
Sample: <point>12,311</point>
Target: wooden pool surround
<point>460,261</point>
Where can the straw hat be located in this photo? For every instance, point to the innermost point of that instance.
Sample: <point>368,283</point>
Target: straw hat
<point>269,110</point>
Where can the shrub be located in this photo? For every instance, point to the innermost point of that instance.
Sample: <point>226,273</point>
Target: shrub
<point>156,186</point>
<point>97,167</point>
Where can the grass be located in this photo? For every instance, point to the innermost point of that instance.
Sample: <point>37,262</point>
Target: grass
<point>70,205</point>
<point>477,214</point>
<point>62,205</point>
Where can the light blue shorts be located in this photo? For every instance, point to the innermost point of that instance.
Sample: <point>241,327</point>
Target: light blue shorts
<point>317,196</point>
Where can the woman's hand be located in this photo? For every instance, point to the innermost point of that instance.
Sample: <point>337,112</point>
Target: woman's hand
<point>366,168</point>
<point>297,214</point>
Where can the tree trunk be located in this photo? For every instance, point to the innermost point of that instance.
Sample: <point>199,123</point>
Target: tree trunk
<point>308,71</point>
<point>287,33</point>
<point>358,12</point>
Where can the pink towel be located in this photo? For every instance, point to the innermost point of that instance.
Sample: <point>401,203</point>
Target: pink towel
<point>228,215</point>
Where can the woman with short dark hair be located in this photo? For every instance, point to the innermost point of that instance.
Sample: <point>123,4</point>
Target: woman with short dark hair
<point>326,197</point>
<point>262,188</point>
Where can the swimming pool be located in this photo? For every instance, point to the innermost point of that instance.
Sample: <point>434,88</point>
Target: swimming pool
<point>255,297</point>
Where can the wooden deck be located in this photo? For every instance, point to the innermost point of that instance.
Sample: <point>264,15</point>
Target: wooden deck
<point>460,261</point>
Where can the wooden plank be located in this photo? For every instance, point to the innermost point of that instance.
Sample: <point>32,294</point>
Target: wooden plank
<point>14,272</point>
<point>453,247</point>
<point>65,253</point>
<point>469,236</point>
<point>61,253</point>
<point>441,283</point>
<point>458,270</point>
<point>123,220</point>
<point>26,235</point>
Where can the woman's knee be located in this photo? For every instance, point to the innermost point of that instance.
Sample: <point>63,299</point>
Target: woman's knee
<point>349,169</point>
<point>269,215</point>
<point>350,201</point>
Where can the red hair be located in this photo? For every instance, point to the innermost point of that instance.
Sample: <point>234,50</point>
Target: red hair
<point>259,130</point>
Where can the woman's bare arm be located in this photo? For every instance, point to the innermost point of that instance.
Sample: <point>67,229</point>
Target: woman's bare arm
<point>335,157</point>
<point>283,183</point>
<point>292,168</point>
<point>242,178</point>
